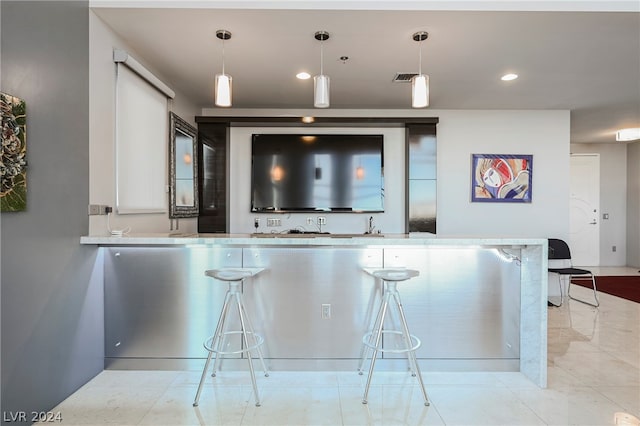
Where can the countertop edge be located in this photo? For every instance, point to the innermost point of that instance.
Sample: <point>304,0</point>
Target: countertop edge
<point>301,240</point>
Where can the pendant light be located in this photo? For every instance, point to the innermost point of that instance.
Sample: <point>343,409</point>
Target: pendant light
<point>420,82</point>
<point>321,82</point>
<point>223,81</point>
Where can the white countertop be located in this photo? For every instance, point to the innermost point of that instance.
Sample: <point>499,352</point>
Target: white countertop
<point>303,240</point>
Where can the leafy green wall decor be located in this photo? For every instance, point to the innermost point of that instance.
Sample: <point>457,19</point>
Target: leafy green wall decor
<point>13,166</point>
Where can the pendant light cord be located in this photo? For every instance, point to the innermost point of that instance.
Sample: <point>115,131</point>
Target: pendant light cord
<point>223,56</point>
<point>321,57</point>
<point>420,57</point>
<point>420,37</point>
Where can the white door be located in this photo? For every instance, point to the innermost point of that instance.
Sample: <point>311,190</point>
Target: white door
<point>585,207</point>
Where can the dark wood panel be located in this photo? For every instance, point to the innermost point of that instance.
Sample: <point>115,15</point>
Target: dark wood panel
<point>212,152</point>
<point>318,121</point>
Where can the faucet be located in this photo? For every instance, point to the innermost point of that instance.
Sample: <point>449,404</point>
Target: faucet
<point>370,227</point>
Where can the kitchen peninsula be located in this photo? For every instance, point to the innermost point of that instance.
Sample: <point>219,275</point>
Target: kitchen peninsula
<point>479,304</point>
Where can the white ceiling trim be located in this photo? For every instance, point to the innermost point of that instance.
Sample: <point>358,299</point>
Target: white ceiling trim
<point>452,5</point>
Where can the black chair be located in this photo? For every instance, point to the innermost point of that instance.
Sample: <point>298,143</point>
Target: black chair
<point>560,263</point>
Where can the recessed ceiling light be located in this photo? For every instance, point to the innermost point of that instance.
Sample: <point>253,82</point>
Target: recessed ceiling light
<point>509,77</point>
<point>622,418</point>
<point>308,119</point>
<point>303,75</point>
<point>631,134</point>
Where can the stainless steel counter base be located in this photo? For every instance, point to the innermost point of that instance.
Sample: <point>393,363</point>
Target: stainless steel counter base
<point>465,306</point>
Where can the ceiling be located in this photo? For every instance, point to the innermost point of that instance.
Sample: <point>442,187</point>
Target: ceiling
<point>585,62</point>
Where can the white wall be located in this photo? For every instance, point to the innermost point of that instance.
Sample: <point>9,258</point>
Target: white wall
<point>633,204</point>
<point>543,134</point>
<point>613,200</point>
<point>460,133</point>
<point>102,41</point>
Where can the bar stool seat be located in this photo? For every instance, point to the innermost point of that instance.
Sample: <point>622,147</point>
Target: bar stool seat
<point>373,339</point>
<point>251,341</point>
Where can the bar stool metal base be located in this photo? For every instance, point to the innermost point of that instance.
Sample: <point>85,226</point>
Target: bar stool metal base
<point>373,340</point>
<point>250,340</point>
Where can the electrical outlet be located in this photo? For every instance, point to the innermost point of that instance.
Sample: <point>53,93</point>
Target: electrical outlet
<point>272,221</point>
<point>309,221</point>
<point>326,311</point>
<point>322,220</point>
<point>614,248</point>
<point>97,209</point>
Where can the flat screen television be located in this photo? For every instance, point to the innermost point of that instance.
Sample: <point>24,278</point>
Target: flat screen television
<point>311,172</point>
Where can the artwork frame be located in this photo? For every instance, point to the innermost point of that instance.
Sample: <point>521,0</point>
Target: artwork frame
<point>501,178</point>
<point>183,169</point>
<point>13,153</point>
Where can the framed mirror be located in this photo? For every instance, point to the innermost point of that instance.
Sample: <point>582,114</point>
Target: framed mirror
<point>183,171</point>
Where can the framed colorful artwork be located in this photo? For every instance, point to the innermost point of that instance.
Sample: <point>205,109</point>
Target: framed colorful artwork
<point>501,178</point>
<point>13,192</point>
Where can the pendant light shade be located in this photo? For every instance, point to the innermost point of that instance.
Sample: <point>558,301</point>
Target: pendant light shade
<point>223,90</point>
<point>223,81</point>
<point>420,91</point>
<point>321,82</point>
<point>420,82</point>
<point>321,91</point>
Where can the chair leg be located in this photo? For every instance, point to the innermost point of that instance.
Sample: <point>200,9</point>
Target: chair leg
<point>374,355</point>
<point>371,311</point>
<point>595,294</point>
<point>218,338</point>
<point>561,288</point>
<point>204,373</point>
<point>251,331</point>
<point>411,354</point>
<point>549,302</point>
<point>246,344</point>
<point>364,352</point>
<point>215,340</point>
<point>365,349</point>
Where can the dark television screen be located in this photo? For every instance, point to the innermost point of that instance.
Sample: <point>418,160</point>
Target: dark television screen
<point>340,173</point>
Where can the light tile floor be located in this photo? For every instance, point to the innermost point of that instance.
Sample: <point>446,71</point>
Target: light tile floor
<point>594,373</point>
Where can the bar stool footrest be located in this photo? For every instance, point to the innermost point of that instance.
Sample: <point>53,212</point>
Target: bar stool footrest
<point>259,340</point>
<point>366,340</point>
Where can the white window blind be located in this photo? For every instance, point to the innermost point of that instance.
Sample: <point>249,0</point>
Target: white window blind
<point>141,144</point>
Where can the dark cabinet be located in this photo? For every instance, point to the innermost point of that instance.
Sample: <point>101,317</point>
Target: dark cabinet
<point>212,150</point>
<point>421,178</point>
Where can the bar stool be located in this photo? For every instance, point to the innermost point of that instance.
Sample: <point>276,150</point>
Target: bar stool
<point>250,340</point>
<point>373,339</point>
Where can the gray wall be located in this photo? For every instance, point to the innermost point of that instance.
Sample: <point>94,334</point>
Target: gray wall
<point>633,204</point>
<point>52,301</point>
